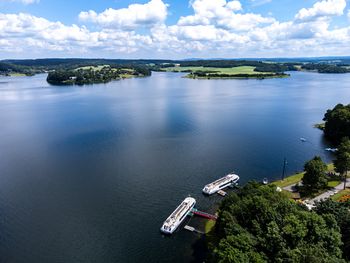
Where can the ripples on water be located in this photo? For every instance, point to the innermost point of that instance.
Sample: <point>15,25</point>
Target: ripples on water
<point>89,173</point>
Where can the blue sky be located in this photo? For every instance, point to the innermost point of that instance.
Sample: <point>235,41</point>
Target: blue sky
<point>174,29</point>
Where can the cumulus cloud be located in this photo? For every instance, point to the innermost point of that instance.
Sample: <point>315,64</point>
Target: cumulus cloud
<point>135,15</point>
<point>218,28</point>
<point>24,32</point>
<point>323,8</point>
<point>223,14</point>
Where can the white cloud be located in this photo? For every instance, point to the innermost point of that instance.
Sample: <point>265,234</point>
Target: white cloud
<point>24,32</point>
<point>323,8</point>
<point>135,15</point>
<point>222,14</point>
<point>218,28</point>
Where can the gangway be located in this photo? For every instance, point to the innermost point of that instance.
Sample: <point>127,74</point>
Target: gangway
<point>204,214</point>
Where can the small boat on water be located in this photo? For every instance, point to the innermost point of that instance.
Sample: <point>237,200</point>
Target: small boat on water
<point>178,216</point>
<point>265,181</point>
<point>220,184</point>
<point>303,139</point>
<point>333,150</point>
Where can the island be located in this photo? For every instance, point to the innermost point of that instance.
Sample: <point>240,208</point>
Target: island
<point>230,69</point>
<point>94,74</point>
<point>242,72</point>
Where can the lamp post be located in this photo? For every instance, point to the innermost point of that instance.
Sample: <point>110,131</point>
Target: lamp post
<point>284,168</point>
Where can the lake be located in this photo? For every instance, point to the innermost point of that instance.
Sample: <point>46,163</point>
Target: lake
<point>88,174</point>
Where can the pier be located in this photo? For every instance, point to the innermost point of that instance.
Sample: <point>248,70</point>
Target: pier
<point>204,214</point>
<point>192,229</point>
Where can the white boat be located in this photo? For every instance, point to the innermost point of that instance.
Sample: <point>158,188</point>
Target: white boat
<point>221,183</point>
<point>178,216</point>
<point>331,150</point>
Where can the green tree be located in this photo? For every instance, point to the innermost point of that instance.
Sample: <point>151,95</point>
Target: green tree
<point>315,175</point>
<point>337,123</point>
<point>259,224</point>
<point>341,213</point>
<point>342,161</point>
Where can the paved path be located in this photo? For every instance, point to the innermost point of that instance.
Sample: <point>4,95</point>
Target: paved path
<point>290,188</point>
<point>329,193</point>
<point>322,196</point>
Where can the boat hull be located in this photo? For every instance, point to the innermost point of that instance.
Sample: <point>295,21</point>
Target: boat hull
<point>209,189</point>
<point>169,229</point>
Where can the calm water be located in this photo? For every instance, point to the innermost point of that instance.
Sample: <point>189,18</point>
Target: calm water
<point>88,174</point>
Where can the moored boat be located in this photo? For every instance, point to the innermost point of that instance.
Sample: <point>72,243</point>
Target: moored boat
<point>221,183</point>
<point>178,216</point>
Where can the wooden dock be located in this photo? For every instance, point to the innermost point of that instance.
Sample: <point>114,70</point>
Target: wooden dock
<point>222,193</point>
<point>192,229</point>
<point>204,214</point>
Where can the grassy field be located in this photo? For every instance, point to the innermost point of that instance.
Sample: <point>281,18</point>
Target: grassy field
<point>232,71</point>
<point>95,68</point>
<point>320,126</point>
<point>293,179</point>
<point>332,184</point>
<point>296,178</point>
<point>209,225</point>
<point>17,75</point>
<point>340,194</point>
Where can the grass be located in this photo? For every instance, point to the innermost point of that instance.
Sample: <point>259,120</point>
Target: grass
<point>127,76</point>
<point>293,179</point>
<point>17,75</point>
<point>332,184</point>
<point>95,68</point>
<point>209,226</point>
<point>320,126</point>
<point>296,178</point>
<point>340,194</point>
<point>232,71</point>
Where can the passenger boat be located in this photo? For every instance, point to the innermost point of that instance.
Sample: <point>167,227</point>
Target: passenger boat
<point>178,216</point>
<point>221,183</point>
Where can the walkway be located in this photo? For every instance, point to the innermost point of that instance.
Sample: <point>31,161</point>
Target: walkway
<point>329,193</point>
<point>322,196</point>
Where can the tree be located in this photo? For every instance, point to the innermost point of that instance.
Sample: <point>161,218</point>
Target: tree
<point>337,123</point>
<point>315,175</point>
<point>341,213</point>
<point>259,224</point>
<point>342,163</point>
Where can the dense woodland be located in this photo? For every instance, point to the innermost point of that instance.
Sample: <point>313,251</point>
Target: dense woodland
<point>8,68</point>
<point>91,75</point>
<point>337,123</point>
<point>34,66</point>
<point>259,224</point>
<point>210,74</point>
<point>326,68</point>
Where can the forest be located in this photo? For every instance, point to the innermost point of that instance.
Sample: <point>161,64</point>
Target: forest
<point>337,123</point>
<point>91,75</point>
<point>260,224</point>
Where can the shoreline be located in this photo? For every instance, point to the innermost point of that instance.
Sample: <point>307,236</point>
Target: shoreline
<point>188,76</point>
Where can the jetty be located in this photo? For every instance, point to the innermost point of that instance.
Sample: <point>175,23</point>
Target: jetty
<point>192,229</point>
<point>204,214</point>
